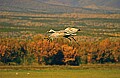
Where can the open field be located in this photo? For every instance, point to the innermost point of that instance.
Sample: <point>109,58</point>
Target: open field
<point>61,74</point>
<point>14,24</point>
<point>84,71</point>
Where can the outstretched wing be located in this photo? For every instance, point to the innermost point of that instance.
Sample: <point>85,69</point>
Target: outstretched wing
<point>71,30</point>
<point>67,35</point>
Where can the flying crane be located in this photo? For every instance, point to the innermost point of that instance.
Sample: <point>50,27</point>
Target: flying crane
<point>67,33</point>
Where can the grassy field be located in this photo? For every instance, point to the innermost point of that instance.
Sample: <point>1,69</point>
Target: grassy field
<point>84,71</point>
<point>95,25</point>
<point>90,73</point>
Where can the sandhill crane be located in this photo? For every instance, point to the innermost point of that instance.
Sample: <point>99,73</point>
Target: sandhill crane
<point>67,33</point>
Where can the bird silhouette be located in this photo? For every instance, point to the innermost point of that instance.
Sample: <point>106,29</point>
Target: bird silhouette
<point>67,33</point>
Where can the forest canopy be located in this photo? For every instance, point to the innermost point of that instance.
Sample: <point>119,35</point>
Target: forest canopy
<point>43,52</point>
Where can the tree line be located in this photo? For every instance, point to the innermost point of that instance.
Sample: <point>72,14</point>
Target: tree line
<point>43,52</point>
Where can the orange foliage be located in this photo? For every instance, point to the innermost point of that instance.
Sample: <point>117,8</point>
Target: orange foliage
<point>46,52</point>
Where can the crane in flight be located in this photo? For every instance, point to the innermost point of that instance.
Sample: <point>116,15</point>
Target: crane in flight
<point>67,33</point>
